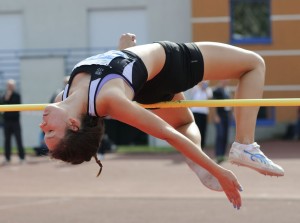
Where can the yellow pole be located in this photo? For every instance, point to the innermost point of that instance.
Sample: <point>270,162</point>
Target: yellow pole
<point>228,103</point>
<point>22,107</point>
<point>276,102</point>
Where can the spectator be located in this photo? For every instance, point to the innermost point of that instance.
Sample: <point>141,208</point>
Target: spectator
<point>201,92</point>
<point>11,123</point>
<point>221,117</point>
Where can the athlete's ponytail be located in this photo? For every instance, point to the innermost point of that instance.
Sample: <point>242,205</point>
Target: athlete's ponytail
<point>79,146</point>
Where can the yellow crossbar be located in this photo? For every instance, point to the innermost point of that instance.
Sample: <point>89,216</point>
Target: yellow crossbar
<point>22,107</point>
<point>276,102</point>
<point>228,103</point>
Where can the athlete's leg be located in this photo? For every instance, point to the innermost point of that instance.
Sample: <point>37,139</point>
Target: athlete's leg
<point>222,61</point>
<point>183,121</point>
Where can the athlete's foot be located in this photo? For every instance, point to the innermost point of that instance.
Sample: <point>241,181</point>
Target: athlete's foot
<point>251,156</point>
<point>205,177</point>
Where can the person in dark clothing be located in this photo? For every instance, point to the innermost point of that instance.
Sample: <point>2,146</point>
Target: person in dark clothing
<point>11,123</point>
<point>201,92</point>
<point>222,121</point>
<point>298,124</point>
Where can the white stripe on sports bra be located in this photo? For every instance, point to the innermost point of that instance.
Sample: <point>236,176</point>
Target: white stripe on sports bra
<point>96,86</point>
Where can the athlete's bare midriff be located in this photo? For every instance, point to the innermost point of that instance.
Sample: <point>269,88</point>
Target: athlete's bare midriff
<point>153,55</point>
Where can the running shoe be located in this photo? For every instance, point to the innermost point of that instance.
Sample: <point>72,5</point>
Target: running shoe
<point>206,178</point>
<point>251,156</point>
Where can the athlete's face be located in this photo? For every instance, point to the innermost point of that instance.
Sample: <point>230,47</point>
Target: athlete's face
<point>54,124</point>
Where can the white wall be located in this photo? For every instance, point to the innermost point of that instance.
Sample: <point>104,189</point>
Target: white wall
<point>37,83</point>
<point>65,24</point>
<point>170,20</point>
<point>11,31</point>
<point>112,21</point>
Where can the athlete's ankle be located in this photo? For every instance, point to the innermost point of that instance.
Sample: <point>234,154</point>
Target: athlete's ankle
<point>244,141</point>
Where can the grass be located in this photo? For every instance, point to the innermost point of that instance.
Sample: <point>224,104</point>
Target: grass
<point>29,151</point>
<point>120,149</point>
<point>144,149</point>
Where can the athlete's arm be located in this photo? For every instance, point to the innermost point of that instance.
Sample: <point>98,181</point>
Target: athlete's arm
<point>121,108</point>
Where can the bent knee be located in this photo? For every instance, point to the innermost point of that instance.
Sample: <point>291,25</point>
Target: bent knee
<point>258,63</point>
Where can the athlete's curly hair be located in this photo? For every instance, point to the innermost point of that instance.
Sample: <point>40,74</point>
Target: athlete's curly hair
<point>81,145</point>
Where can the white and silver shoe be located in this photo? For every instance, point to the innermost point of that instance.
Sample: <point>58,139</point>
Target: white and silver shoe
<point>251,156</point>
<point>206,178</point>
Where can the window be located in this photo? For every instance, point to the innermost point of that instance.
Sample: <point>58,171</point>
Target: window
<point>250,22</point>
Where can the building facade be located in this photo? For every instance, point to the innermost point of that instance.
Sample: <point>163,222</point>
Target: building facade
<point>280,46</point>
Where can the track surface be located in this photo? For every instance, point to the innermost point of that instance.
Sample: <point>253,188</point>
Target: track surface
<point>142,188</point>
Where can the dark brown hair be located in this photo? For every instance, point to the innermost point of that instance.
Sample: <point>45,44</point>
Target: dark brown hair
<point>79,146</point>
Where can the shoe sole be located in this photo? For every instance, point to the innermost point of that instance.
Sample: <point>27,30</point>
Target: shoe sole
<point>211,183</point>
<point>264,172</point>
<point>207,179</point>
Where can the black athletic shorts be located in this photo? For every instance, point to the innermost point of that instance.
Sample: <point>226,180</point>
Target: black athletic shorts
<point>183,69</point>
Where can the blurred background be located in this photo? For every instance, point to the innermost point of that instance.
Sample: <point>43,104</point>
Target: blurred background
<point>41,41</point>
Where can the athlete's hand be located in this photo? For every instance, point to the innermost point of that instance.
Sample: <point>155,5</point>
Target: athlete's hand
<point>127,40</point>
<point>231,187</point>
